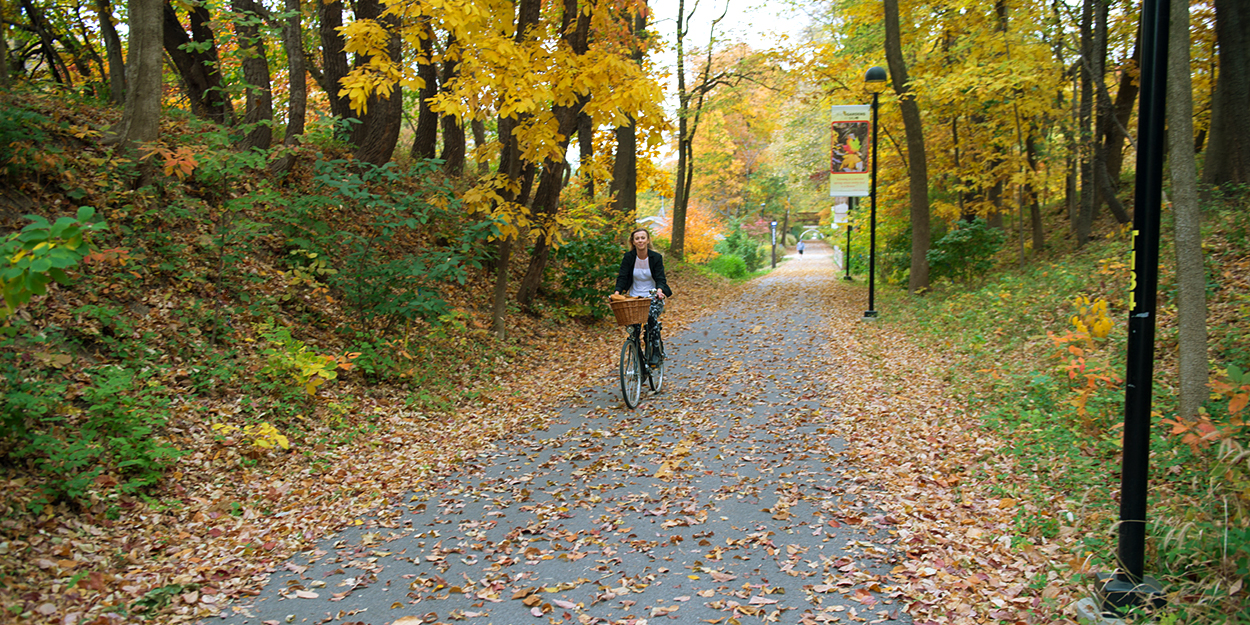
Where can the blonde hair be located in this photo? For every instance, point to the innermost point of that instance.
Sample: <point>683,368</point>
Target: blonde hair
<point>636,231</point>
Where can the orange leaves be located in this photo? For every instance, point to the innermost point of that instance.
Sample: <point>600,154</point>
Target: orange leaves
<point>179,163</point>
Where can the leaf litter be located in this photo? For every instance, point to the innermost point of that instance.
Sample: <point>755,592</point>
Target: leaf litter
<point>761,433</point>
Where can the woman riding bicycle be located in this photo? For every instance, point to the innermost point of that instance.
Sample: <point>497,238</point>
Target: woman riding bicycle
<point>641,274</point>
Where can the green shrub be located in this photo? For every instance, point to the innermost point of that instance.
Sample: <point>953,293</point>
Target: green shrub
<point>376,277</point>
<point>587,269</point>
<point>966,251</point>
<point>747,249</point>
<point>729,265</point>
<point>107,439</point>
<point>40,254</point>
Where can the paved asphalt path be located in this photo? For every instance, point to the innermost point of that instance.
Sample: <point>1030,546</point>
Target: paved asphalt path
<point>720,500</point>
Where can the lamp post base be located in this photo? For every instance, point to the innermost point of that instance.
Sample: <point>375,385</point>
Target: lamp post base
<point>848,278</point>
<point>1116,592</point>
<point>870,314</point>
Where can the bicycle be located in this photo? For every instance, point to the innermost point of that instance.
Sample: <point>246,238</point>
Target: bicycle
<point>636,353</point>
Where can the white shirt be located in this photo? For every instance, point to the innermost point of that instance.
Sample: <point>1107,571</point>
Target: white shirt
<point>643,282</point>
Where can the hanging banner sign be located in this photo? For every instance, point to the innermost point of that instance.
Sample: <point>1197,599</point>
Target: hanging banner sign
<point>848,165</point>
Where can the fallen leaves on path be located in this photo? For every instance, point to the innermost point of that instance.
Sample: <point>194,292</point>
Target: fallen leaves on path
<point>225,520</point>
<point>942,475</point>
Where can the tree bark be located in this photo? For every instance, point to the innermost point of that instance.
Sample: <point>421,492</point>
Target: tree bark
<point>112,50</point>
<point>377,133</point>
<point>258,115</point>
<point>198,65</point>
<point>1228,153</point>
<point>1085,215</point>
<point>333,57</point>
<point>688,115</point>
<point>586,149</point>
<point>1190,269</point>
<point>575,31</point>
<point>516,170</point>
<point>1122,112</point>
<point>1035,206</point>
<point>47,41</point>
<point>426,136</point>
<point>4,54</point>
<point>297,103</point>
<point>141,119</point>
<point>624,187</point>
<point>479,139</point>
<point>453,133</point>
<point>917,168</point>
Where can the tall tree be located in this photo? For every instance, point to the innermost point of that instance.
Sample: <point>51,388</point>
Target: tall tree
<point>453,132</point>
<point>1191,282</point>
<point>297,101</point>
<point>334,65</point>
<point>575,33</point>
<point>1085,215</point>
<point>1228,153</point>
<point>624,187</point>
<point>689,109</point>
<point>195,57</point>
<point>47,42</point>
<point>917,167</point>
<point>258,114</point>
<point>516,173</point>
<point>141,118</point>
<point>425,138</point>
<point>112,49</point>
<point>377,133</point>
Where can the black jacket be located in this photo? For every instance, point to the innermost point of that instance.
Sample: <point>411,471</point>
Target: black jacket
<point>625,277</point>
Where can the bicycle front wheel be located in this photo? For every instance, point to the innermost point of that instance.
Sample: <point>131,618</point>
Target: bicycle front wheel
<point>656,378</point>
<point>631,373</point>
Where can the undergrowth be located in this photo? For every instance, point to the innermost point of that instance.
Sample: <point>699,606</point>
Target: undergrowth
<point>1040,354</point>
<point>204,299</point>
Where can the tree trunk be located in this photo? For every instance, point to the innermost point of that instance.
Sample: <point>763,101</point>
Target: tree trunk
<point>195,58</point>
<point>141,119</point>
<point>377,133</point>
<point>1035,206</point>
<point>334,58</point>
<point>586,149</point>
<point>511,166</point>
<point>426,136</point>
<point>258,116</point>
<point>112,50</point>
<point>1122,112</point>
<point>4,54</point>
<point>297,103</point>
<point>1085,216</point>
<point>47,43</point>
<point>1190,271</point>
<point>917,168</point>
<point>624,187</point>
<point>1228,154</point>
<point>453,132</point>
<point>547,198</point>
<point>479,139</point>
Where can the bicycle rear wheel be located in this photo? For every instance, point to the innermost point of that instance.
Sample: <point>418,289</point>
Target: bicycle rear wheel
<point>631,373</point>
<point>656,379</point>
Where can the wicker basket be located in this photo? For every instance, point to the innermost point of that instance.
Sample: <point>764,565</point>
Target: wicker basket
<point>630,311</point>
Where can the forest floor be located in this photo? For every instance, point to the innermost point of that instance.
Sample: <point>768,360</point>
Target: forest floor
<point>787,422</point>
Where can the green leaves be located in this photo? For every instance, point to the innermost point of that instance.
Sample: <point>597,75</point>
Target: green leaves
<point>40,254</point>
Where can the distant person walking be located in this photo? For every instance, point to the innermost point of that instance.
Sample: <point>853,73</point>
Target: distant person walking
<point>800,248</point>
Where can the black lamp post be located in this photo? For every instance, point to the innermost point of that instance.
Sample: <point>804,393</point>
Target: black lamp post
<point>847,257</point>
<point>875,80</point>
<point>1129,585</point>
<point>773,227</point>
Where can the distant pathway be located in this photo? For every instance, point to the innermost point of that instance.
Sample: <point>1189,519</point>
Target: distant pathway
<point>721,498</point>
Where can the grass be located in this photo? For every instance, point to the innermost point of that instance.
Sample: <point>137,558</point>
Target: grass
<point>1003,334</point>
